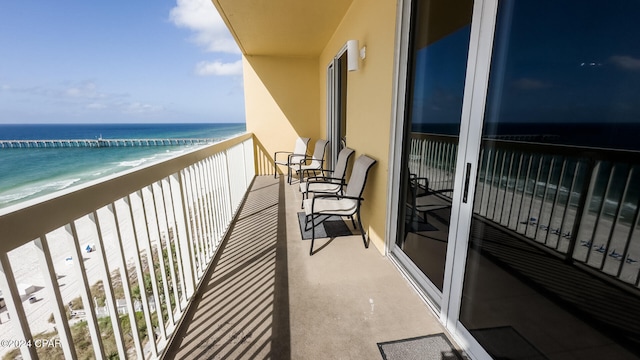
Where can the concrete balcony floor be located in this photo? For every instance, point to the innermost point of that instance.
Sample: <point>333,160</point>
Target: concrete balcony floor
<point>265,297</point>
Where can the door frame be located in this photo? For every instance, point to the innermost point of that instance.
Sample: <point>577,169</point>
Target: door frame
<point>446,304</point>
<point>336,110</point>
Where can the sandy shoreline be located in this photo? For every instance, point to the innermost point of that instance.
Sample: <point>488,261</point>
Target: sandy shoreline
<point>27,270</point>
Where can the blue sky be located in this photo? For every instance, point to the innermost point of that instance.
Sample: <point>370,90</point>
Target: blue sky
<point>117,61</point>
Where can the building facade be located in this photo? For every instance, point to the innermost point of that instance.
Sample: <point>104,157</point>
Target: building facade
<point>507,180</point>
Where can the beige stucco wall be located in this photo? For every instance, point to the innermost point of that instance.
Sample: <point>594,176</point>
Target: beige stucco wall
<point>281,104</point>
<point>369,99</point>
<point>285,98</point>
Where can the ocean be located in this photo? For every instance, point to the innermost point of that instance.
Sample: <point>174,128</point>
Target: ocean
<point>27,173</point>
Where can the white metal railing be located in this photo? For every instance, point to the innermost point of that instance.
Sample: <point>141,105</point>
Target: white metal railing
<point>134,245</point>
<point>580,202</point>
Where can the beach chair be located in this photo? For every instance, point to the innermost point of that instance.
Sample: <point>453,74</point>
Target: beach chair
<point>331,182</point>
<point>307,164</point>
<point>299,152</point>
<point>347,204</point>
<point>421,197</point>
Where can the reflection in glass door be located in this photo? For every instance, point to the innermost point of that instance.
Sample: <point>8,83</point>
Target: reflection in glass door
<point>439,44</point>
<point>553,261</point>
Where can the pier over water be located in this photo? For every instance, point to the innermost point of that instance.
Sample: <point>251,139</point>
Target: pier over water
<point>100,143</point>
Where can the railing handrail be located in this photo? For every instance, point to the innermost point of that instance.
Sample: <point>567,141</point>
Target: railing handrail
<point>597,153</point>
<point>31,219</point>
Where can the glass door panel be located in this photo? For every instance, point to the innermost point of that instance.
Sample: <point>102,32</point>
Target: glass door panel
<point>439,44</point>
<point>553,260</point>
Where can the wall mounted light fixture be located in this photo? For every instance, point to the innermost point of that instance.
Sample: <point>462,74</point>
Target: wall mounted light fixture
<point>352,55</point>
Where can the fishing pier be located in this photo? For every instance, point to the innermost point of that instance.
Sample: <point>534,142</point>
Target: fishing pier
<point>100,143</point>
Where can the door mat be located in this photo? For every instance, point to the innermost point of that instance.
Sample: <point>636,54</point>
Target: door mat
<point>329,227</point>
<point>430,347</point>
<point>505,342</point>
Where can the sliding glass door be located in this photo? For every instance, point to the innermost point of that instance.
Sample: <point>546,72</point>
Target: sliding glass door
<point>519,203</point>
<point>439,46</point>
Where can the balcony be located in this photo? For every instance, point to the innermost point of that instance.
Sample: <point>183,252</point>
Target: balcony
<point>209,261</point>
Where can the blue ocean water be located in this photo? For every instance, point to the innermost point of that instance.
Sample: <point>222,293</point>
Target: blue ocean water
<point>28,173</point>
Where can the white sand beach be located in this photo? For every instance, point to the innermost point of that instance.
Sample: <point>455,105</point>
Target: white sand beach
<point>27,270</point>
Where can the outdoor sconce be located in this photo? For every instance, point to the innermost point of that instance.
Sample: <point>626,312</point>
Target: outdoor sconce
<point>352,55</point>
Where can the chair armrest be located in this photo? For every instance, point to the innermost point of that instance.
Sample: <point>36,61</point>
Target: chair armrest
<point>317,181</point>
<point>292,155</point>
<point>325,179</point>
<point>275,155</point>
<point>336,196</point>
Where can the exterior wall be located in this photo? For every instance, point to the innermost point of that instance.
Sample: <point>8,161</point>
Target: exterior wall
<point>285,98</point>
<point>282,103</point>
<point>369,99</point>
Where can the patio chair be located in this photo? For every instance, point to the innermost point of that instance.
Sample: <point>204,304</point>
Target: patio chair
<point>299,153</point>
<point>307,164</point>
<point>421,197</point>
<point>331,182</point>
<point>341,205</point>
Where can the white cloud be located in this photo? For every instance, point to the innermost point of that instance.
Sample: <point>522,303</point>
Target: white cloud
<point>206,68</point>
<point>201,17</point>
<point>626,62</point>
<point>96,106</point>
<point>87,89</point>
<point>139,108</point>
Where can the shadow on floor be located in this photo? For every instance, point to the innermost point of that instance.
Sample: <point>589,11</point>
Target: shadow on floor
<point>242,309</point>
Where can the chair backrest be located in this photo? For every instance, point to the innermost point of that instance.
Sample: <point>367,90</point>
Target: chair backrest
<point>320,149</point>
<point>301,146</point>
<point>361,168</point>
<point>343,161</point>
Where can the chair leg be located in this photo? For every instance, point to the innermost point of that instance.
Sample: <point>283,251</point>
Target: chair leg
<point>364,238</point>
<point>353,221</point>
<point>313,235</point>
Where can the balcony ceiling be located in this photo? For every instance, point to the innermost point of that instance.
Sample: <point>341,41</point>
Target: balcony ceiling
<point>282,27</point>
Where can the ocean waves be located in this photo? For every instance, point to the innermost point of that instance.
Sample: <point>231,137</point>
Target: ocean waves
<point>26,174</point>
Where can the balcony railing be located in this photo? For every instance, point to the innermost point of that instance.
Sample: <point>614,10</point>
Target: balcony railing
<point>119,258</point>
<point>580,203</point>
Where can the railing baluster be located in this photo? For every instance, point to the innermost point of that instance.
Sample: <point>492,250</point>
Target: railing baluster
<point>14,305</point>
<point>632,226</point>
<point>140,275</point>
<point>567,205</point>
<point>554,206</point>
<point>523,196</point>
<point>193,224</point>
<point>171,240</point>
<point>204,179</point>
<point>486,166</point>
<point>108,287</point>
<point>506,190</point>
<point>616,216</point>
<point>147,247</point>
<point>533,199</point>
<point>161,260</point>
<point>124,276</point>
<point>53,292</point>
<point>198,230</point>
<point>499,185</point>
<point>543,200</point>
<point>208,174</point>
<point>184,254</point>
<point>200,220</point>
<point>85,294</point>
<point>584,209</point>
<point>514,194</point>
<point>605,195</point>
